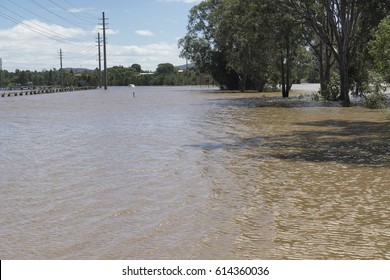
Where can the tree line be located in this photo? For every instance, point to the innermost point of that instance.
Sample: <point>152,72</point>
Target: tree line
<point>165,74</point>
<point>256,43</point>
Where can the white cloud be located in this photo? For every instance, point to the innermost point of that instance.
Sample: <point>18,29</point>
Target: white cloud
<point>24,49</point>
<point>145,32</point>
<point>109,31</point>
<point>81,10</point>
<point>30,29</point>
<point>148,56</point>
<point>35,45</point>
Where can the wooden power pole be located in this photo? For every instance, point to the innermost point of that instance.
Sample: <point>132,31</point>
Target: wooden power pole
<point>100,62</point>
<point>105,52</point>
<point>62,71</point>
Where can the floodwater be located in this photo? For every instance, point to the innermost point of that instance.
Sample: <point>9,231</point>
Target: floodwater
<point>188,173</point>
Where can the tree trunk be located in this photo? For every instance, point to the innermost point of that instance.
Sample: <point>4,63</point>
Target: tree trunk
<point>325,66</point>
<point>243,83</point>
<point>344,82</point>
<point>328,65</point>
<point>321,66</point>
<point>288,70</point>
<point>283,81</point>
<point>261,84</point>
<point>343,58</point>
<point>285,60</point>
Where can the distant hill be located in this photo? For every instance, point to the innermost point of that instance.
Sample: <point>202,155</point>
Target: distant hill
<point>82,70</point>
<point>77,70</point>
<point>184,67</point>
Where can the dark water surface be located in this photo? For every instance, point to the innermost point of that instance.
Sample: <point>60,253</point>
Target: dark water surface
<point>182,173</point>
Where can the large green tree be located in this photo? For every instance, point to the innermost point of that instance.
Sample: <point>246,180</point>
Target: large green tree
<point>287,32</point>
<point>380,49</point>
<point>344,26</point>
<point>241,34</point>
<point>251,39</point>
<point>200,45</point>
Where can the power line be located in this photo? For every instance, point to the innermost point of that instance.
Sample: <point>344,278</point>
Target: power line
<point>39,26</point>
<point>53,13</point>
<point>32,29</point>
<point>66,10</point>
<point>42,30</point>
<point>15,15</point>
<point>85,49</point>
<point>49,36</point>
<point>45,19</point>
<point>80,10</point>
<point>27,10</point>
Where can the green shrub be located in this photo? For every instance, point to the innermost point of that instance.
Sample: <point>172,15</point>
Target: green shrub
<point>376,100</point>
<point>332,92</point>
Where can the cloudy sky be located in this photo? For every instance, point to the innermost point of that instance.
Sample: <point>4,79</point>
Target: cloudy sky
<point>146,32</point>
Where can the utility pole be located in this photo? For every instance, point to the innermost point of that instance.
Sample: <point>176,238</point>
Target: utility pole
<point>105,52</point>
<point>62,71</point>
<point>100,62</point>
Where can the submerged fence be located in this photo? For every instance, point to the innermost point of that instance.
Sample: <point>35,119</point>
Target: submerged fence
<point>43,91</point>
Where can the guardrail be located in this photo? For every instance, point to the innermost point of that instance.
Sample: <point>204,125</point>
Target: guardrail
<point>43,91</point>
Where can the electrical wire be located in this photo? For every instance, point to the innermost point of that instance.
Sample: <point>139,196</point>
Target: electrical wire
<point>74,15</point>
<point>86,49</point>
<point>80,10</point>
<point>44,19</point>
<point>42,29</point>
<point>53,13</point>
<point>38,28</point>
<point>49,36</point>
<point>84,53</point>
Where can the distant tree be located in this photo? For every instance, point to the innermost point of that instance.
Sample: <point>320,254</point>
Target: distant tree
<point>21,77</point>
<point>136,68</point>
<point>165,69</point>
<point>69,78</point>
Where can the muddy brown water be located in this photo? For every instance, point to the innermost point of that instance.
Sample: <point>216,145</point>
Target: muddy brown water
<point>185,173</point>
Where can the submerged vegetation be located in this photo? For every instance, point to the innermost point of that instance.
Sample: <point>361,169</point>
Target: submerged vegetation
<point>249,44</point>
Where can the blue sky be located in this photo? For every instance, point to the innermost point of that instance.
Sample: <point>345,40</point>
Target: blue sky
<point>146,32</point>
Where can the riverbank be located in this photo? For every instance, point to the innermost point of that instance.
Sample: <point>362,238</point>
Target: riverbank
<point>301,95</point>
